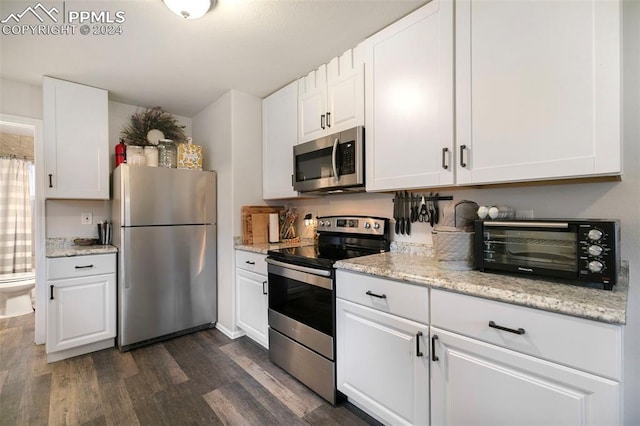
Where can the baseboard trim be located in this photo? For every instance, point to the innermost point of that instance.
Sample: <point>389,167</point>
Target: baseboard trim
<point>230,334</point>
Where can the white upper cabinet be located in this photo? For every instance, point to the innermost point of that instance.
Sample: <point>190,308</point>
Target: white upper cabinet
<point>76,132</point>
<point>331,98</point>
<point>537,90</point>
<point>409,101</point>
<point>279,135</point>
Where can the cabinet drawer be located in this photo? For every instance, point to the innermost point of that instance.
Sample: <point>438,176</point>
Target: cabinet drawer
<point>81,266</point>
<point>250,261</point>
<point>580,343</point>
<point>395,297</point>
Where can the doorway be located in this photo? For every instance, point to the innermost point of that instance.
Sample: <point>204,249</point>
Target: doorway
<point>32,127</point>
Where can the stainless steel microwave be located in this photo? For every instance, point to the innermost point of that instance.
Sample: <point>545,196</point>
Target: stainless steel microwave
<point>581,250</point>
<point>333,163</point>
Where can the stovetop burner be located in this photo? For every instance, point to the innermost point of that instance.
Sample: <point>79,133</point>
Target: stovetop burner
<point>339,237</point>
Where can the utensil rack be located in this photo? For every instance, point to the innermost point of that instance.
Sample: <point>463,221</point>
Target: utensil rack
<point>409,208</point>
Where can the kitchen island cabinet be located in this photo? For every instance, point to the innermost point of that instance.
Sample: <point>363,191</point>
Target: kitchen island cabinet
<point>81,313</point>
<point>409,96</point>
<point>279,135</point>
<point>538,90</point>
<point>252,295</point>
<point>76,140</point>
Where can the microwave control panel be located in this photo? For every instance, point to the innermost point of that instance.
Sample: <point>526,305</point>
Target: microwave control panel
<point>348,152</point>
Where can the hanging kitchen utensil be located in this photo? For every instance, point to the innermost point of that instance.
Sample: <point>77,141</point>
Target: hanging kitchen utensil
<point>432,211</point>
<point>422,215</point>
<point>436,208</point>
<point>396,211</point>
<point>402,212</point>
<point>408,217</point>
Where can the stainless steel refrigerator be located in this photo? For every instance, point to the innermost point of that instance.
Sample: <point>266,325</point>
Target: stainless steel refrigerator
<point>164,225</point>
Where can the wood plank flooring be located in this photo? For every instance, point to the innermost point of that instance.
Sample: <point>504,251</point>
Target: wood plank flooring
<point>203,378</point>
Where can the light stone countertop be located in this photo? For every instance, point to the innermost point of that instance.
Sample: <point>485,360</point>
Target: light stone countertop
<point>65,247</point>
<point>263,248</point>
<point>600,305</point>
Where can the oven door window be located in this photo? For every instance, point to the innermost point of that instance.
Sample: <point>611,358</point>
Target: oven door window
<point>306,303</point>
<point>314,165</point>
<point>551,250</point>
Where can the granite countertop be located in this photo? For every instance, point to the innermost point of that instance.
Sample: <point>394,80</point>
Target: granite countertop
<point>65,247</point>
<point>600,305</point>
<point>263,248</point>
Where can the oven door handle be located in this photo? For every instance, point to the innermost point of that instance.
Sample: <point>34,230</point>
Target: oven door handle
<point>334,159</point>
<point>299,268</point>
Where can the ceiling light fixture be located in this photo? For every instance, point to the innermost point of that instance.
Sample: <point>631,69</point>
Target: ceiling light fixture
<point>189,9</point>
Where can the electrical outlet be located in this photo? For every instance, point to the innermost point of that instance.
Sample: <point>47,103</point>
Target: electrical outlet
<point>524,214</point>
<point>86,218</point>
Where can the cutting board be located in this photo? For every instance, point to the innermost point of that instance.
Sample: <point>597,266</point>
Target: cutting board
<point>255,223</point>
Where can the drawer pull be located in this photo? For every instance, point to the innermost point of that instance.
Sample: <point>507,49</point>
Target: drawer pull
<point>51,294</point>
<point>264,287</point>
<point>510,330</point>
<point>379,296</point>
<point>84,267</point>
<point>418,336</point>
<point>250,262</point>
<point>434,357</point>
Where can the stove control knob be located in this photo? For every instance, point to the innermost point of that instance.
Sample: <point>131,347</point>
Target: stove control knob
<point>321,223</point>
<point>327,223</point>
<point>594,234</point>
<point>595,266</point>
<point>376,225</point>
<point>595,250</point>
<point>367,225</point>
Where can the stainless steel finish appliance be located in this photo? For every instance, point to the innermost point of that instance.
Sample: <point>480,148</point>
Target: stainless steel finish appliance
<point>333,163</point>
<point>302,297</point>
<point>584,251</point>
<point>165,230</point>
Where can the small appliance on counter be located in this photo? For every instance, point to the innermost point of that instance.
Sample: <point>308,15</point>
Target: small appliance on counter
<point>453,239</point>
<point>583,251</point>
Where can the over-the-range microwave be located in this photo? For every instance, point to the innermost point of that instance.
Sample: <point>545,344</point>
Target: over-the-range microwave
<point>333,163</point>
<point>585,251</point>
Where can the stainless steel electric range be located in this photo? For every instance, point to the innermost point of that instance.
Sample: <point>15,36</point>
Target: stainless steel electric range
<point>302,321</point>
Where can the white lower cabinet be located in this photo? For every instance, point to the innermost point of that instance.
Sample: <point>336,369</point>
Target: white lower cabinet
<point>477,383</point>
<point>81,312</point>
<point>497,363</point>
<point>382,358</point>
<point>252,296</point>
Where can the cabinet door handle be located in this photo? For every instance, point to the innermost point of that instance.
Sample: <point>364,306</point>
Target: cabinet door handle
<point>445,157</point>
<point>379,296</point>
<point>322,121</point>
<point>50,180</point>
<point>510,330</point>
<point>418,336</point>
<point>249,262</point>
<point>434,357</point>
<point>84,267</point>
<point>328,119</point>
<point>264,287</point>
<point>51,292</point>
<point>463,149</point>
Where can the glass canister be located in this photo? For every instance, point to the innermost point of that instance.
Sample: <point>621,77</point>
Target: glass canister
<point>167,154</point>
<point>151,154</point>
<point>135,156</point>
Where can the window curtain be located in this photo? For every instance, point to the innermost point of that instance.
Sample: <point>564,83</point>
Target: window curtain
<point>15,217</point>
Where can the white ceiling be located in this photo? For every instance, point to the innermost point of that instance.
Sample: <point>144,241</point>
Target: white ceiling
<point>161,59</point>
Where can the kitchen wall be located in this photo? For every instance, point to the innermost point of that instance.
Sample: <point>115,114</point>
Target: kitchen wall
<point>231,131</point>
<point>20,99</point>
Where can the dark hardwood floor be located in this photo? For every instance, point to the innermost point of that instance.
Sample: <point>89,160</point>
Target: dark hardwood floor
<point>203,378</point>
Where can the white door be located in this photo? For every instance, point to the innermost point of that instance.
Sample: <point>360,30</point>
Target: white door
<point>76,132</point>
<point>409,101</point>
<point>476,383</point>
<point>537,89</point>
<point>279,135</point>
<point>252,303</point>
<point>81,311</point>
<point>345,92</point>
<point>383,363</point>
